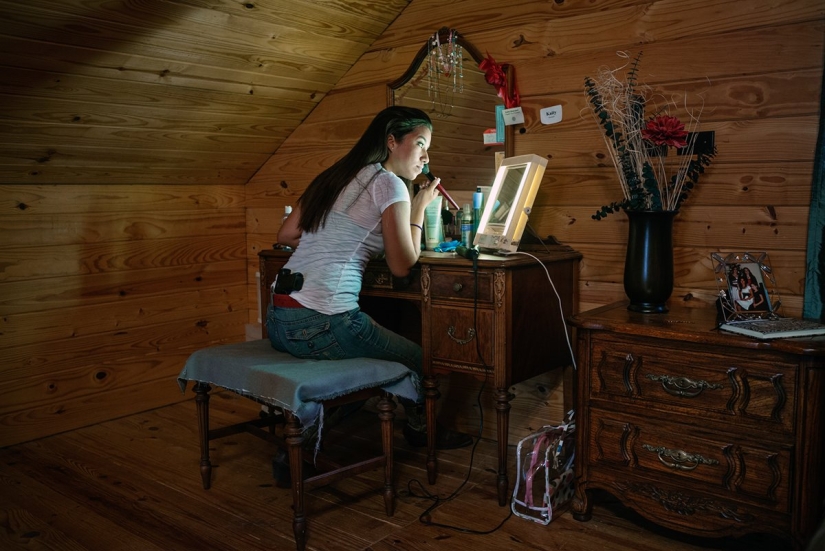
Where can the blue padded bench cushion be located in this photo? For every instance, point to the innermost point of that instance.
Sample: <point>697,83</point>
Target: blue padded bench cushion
<point>257,370</point>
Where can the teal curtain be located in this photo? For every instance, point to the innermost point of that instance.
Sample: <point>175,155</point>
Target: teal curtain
<point>815,269</point>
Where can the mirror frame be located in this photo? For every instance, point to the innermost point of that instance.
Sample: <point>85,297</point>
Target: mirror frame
<point>444,36</point>
<point>505,237</point>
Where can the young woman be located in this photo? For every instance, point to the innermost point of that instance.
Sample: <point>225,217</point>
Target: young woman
<point>354,210</point>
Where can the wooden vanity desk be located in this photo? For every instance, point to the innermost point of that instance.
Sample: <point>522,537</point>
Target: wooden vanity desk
<point>699,430</point>
<point>512,331</point>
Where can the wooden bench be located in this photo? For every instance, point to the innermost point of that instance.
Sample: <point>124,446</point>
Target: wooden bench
<point>300,391</point>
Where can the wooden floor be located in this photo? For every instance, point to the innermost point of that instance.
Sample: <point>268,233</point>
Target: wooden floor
<point>134,484</point>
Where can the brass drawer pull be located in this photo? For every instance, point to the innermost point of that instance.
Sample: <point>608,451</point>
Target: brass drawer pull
<point>678,459</point>
<point>682,386</point>
<point>378,278</point>
<point>471,333</point>
<point>457,287</point>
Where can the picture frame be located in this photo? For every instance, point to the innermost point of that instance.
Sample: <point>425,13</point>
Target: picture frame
<point>747,286</point>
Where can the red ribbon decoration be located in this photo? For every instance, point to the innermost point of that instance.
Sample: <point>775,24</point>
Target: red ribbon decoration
<point>494,75</point>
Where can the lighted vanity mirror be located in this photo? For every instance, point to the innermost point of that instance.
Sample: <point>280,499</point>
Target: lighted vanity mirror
<point>462,105</point>
<point>508,206</point>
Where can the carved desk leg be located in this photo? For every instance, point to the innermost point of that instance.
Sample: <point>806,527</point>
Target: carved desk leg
<point>202,402</point>
<point>431,394</point>
<point>503,398</point>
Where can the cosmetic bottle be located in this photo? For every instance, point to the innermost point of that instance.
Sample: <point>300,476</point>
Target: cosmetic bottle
<point>459,216</point>
<point>433,235</point>
<point>478,200</point>
<point>467,226</point>
<point>447,224</point>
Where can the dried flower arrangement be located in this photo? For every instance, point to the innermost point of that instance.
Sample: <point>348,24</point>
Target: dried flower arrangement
<point>639,144</point>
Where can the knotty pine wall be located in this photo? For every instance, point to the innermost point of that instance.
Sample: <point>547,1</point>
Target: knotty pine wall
<point>758,65</point>
<point>105,292</point>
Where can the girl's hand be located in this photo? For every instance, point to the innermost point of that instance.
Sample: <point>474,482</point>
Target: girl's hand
<point>427,192</point>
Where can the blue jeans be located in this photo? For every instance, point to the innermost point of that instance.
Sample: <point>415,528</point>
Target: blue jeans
<point>305,333</point>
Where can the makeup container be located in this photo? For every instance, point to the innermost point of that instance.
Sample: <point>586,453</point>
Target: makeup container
<point>433,229</point>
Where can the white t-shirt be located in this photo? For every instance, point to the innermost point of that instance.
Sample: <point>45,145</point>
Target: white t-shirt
<point>333,259</point>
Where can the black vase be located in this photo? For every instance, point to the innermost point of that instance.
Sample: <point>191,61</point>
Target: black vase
<point>648,267</point>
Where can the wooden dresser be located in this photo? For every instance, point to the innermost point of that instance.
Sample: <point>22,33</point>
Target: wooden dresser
<point>699,430</point>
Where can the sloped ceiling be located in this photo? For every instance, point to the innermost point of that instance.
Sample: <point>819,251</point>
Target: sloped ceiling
<point>167,91</point>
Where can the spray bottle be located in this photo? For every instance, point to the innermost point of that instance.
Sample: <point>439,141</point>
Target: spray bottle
<point>467,226</point>
<point>478,200</point>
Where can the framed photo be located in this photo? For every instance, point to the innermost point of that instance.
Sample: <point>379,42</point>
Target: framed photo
<point>746,286</point>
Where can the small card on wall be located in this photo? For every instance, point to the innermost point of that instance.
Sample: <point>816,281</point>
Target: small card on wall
<point>551,115</point>
<point>514,115</point>
<point>491,138</point>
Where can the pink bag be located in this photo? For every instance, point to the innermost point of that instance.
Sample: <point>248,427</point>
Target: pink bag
<point>545,472</point>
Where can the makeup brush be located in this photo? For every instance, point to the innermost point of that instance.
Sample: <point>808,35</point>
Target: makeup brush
<point>426,172</point>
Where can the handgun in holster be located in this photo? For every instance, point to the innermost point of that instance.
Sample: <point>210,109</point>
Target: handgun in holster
<point>286,282</point>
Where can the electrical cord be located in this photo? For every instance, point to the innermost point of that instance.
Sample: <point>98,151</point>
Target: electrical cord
<point>553,285</point>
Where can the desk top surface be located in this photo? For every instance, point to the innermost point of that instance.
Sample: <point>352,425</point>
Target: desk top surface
<point>552,254</point>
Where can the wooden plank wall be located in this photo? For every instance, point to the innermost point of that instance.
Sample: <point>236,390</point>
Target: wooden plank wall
<point>757,64</point>
<point>105,291</point>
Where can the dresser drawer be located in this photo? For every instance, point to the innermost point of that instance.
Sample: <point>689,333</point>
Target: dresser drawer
<point>735,468</point>
<point>677,506</point>
<point>460,286</point>
<point>757,393</point>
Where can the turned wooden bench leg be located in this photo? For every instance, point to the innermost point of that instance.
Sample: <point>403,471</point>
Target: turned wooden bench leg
<point>202,401</point>
<point>386,412</point>
<point>431,395</point>
<point>294,435</point>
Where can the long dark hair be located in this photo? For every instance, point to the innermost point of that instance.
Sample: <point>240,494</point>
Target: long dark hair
<point>320,196</point>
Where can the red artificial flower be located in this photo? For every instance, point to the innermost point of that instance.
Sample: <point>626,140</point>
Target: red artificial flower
<point>494,75</point>
<point>665,130</point>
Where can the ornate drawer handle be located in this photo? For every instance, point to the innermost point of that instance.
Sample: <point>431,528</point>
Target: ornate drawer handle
<point>682,386</point>
<point>471,333</point>
<point>679,460</point>
<point>457,287</point>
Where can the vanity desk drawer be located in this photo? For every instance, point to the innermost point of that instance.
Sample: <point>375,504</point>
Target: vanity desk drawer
<point>460,286</point>
<point>378,278</point>
<point>457,335</point>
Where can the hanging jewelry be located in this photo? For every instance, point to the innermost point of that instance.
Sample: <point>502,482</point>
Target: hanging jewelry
<point>445,72</point>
